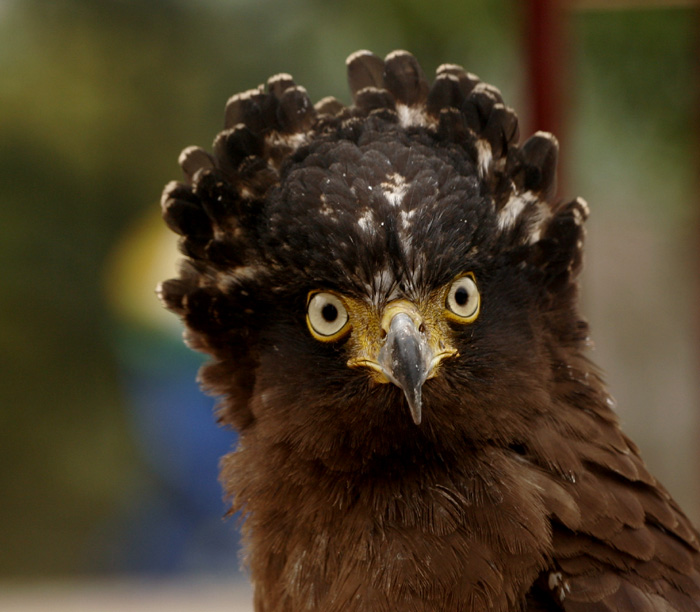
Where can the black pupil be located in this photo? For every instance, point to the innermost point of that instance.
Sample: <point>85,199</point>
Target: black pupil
<point>461,296</point>
<point>329,313</point>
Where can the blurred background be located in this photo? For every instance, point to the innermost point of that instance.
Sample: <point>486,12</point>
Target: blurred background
<point>109,452</point>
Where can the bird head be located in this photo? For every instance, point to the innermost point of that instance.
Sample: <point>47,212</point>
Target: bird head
<point>397,266</point>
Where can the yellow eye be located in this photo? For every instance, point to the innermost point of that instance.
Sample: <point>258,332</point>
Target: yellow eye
<point>326,316</point>
<point>463,301</point>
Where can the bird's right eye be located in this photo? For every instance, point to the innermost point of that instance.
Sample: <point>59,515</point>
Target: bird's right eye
<point>462,302</point>
<point>326,316</point>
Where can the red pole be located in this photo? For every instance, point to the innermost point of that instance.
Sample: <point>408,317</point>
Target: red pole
<point>545,51</point>
<point>545,35</point>
<point>696,127</point>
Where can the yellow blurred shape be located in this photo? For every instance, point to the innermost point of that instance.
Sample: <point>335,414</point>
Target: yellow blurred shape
<point>146,255</point>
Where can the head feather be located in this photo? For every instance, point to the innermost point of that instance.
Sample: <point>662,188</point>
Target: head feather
<point>224,210</point>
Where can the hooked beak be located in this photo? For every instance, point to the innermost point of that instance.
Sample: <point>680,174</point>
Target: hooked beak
<point>406,360</point>
<point>404,353</point>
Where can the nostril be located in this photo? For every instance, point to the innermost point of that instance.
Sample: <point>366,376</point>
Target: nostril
<point>421,328</point>
<point>382,334</point>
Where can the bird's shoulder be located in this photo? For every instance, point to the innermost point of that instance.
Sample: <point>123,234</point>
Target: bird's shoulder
<point>619,540</point>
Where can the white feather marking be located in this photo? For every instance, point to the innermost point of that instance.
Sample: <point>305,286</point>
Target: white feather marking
<point>351,58</point>
<point>405,227</point>
<point>542,213</point>
<point>367,222</point>
<point>483,149</point>
<point>535,236</point>
<point>556,582</point>
<point>395,189</point>
<point>282,76</point>
<point>491,89</point>
<point>412,116</point>
<point>580,211</point>
<point>326,209</point>
<point>513,207</point>
<point>293,141</point>
<point>583,205</point>
<point>381,285</point>
<point>246,95</point>
<point>406,216</point>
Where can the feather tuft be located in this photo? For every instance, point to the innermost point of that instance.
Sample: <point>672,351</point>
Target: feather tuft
<point>539,158</point>
<point>364,70</point>
<point>404,78</point>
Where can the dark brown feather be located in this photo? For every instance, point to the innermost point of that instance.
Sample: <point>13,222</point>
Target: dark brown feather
<point>404,78</point>
<point>364,70</point>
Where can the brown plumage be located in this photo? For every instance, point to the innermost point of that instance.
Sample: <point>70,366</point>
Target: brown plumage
<point>389,294</point>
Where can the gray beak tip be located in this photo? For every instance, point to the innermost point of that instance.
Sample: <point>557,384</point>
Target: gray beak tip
<point>405,359</point>
<point>416,412</point>
<point>414,397</point>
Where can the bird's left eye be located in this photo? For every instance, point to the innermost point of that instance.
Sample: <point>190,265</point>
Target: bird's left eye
<point>463,299</point>
<point>326,316</point>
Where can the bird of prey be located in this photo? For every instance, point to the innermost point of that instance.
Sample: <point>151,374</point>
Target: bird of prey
<point>388,293</point>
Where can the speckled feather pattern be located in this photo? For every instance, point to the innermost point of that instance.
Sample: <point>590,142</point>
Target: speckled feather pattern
<point>519,491</point>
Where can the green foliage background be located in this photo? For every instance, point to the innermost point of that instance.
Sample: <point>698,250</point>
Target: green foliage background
<point>97,98</point>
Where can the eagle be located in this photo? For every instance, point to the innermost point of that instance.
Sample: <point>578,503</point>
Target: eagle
<point>388,291</point>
